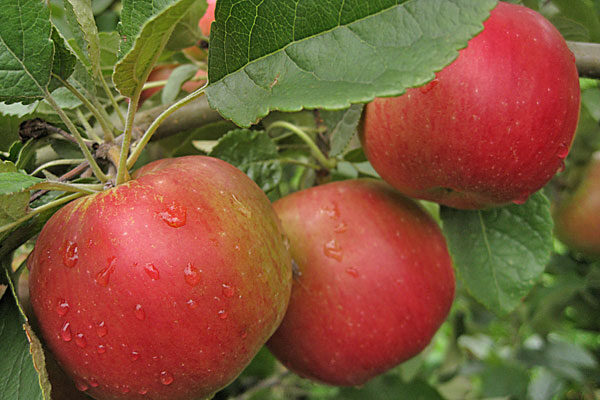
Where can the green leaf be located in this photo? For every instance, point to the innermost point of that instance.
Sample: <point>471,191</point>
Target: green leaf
<point>83,26</point>
<point>19,378</point>
<point>500,253</point>
<point>146,26</point>
<point>109,47</point>
<point>26,50</point>
<point>582,13</point>
<point>252,152</point>
<point>187,32</point>
<point>504,380</point>
<point>178,77</point>
<point>390,387</point>
<point>15,182</point>
<point>288,55</point>
<point>65,99</point>
<point>544,386</point>
<point>342,126</point>
<point>64,59</point>
<point>12,206</point>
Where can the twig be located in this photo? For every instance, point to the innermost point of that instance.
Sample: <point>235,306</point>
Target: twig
<point>587,58</point>
<point>68,175</point>
<point>264,384</point>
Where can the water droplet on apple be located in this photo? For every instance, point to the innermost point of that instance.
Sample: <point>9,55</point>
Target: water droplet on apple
<point>139,312</point>
<point>81,386</point>
<point>70,255</point>
<point>228,290</point>
<point>353,272</point>
<point>125,389</point>
<point>191,275</point>
<point>166,378</point>
<point>62,307</point>
<point>152,271</point>
<point>101,349</point>
<point>191,304</point>
<point>65,332</point>
<point>103,276</point>
<point>222,314</point>
<point>174,215</point>
<point>80,340</point>
<point>563,151</point>
<point>428,87</point>
<point>93,382</point>
<point>333,250</point>
<point>340,228</point>
<point>561,167</point>
<point>101,329</point>
<point>244,334</point>
<point>522,199</point>
<point>135,356</point>
<point>331,211</point>
<point>143,391</point>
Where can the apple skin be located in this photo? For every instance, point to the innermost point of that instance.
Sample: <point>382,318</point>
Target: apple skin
<point>179,277</point>
<point>577,219</point>
<point>492,128</point>
<point>162,73</point>
<point>375,281</point>
<point>208,17</point>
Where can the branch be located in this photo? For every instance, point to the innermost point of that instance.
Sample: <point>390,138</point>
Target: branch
<point>192,115</point>
<point>587,58</point>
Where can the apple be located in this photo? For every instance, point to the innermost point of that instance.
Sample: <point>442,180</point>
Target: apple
<point>577,218</point>
<point>208,17</point>
<point>374,281</point>
<point>162,73</point>
<point>164,287</point>
<point>492,128</point>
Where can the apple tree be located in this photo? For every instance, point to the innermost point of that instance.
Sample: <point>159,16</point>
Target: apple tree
<point>136,262</point>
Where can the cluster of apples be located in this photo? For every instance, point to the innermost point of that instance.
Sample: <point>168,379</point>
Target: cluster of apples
<point>165,287</point>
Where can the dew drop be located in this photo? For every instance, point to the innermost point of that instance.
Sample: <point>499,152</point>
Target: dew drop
<point>333,250</point>
<point>139,312</point>
<point>103,277</point>
<point>222,314</point>
<point>101,349</point>
<point>81,386</point>
<point>93,382</point>
<point>427,88</point>
<point>125,389</point>
<point>174,215</point>
<point>228,290</point>
<point>151,271</point>
<point>561,167</point>
<point>563,151</point>
<point>135,356</point>
<point>101,329</point>
<point>192,304</point>
<point>80,340</point>
<point>166,378</point>
<point>70,255</point>
<point>244,335</point>
<point>65,332</point>
<point>62,307</point>
<point>522,199</point>
<point>191,275</point>
<point>353,272</point>
<point>143,391</point>
<point>340,228</point>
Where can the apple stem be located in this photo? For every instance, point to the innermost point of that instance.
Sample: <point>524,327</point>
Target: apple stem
<point>328,163</point>
<point>35,211</point>
<point>68,187</point>
<point>73,130</point>
<point>104,123</point>
<point>122,174</point>
<point>301,163</point>
<point>156,123</point>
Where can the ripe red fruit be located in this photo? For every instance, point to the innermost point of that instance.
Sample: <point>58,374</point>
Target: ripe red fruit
<point>208,17</point>
<point>375,281</point>
<point>577,219</point>
<point>164,287</point>
<point>492,128</point>
<point>162,73</point>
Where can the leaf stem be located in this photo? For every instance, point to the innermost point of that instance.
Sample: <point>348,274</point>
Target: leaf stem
<point>104,123</point>
<point>86,125</point>
<point>156,123</point>
<point>328,163</point>
<point>73,130</point>
<point>34,211</point>
<point>68,187</point>
<point>301,163</point>
<point>112,98</point>
<point>122,167</point>
<point>53,163</point>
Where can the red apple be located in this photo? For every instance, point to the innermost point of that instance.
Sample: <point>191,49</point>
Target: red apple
<point>162,73</point>
<point>577,219</point>
<point>208,17</point>
<point>164,287</point>
<point>492,128</point>
<point>374,281</point>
